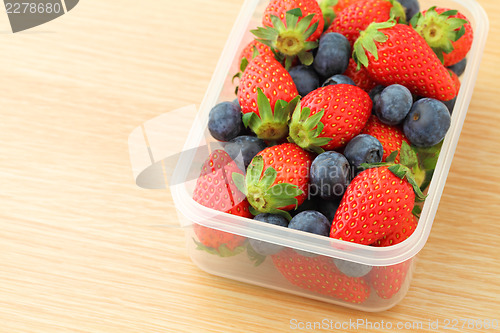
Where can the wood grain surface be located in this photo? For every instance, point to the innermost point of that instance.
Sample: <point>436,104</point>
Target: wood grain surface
<point>83,249</point>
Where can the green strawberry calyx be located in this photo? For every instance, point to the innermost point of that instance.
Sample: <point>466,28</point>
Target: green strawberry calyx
<point>439,30</point>
<point>289,39</point>
<point>367,39</point>
<point>305,129</point>
<point>397,11</point>
<point>329,14</point>
<point>262,195</point>
<point>405,169</point>
<point>271,125</point>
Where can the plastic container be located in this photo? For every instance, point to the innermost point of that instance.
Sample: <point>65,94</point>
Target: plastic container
<point>151,157</point>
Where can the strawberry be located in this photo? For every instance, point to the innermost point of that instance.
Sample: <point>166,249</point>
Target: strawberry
<point>377,200</point>
<point>330,117</point>
<point>391,137</point>
<point>360,76</point>
<point>267,95</point>
<point>277,179</point>
<point>373,205</point>
<point>254,48</point>
<point>388,280</point>
<point>404,230</point>
<point>320,275</point>
<point>357,16</point>
<point>249,52</point>
<point>215,189</point>
<point>291,27</point>
<point>448,32</point>
<point>396,53</point>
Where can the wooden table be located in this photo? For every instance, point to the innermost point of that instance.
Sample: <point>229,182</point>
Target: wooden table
<point>84,250</point>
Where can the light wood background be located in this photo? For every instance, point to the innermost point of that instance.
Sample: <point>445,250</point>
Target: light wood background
<point>82,249</point>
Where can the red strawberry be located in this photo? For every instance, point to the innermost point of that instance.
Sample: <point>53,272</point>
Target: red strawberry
<point>358,16</point>
<point>330,117</point>
<point>388,280</point>
<point>391,137</point>
<point>277,179</point>
<point>330,8</point>
<point>215,189</point>
<point>291,27</point>
<point>396,53</point>
<point>360,76</point>
<point>279,8</point>
<point>249,51</point>
<point>404,230</point>
<point>374,204</point>
<point>320,275</point>
<point>341,4</point>
<point>268,114</point>
<point>448,32</point>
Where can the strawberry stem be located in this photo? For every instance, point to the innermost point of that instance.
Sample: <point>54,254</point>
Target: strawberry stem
<point>271,125</point>
<point>289,38</point>
<point>262,195</point>
<point>439,30</point>
<point>305,129</point>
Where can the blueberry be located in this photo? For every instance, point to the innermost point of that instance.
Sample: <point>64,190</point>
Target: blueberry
<point>411,8</point>
<point>329,175</point>
<point>224,121</point>
<point>363,148</point>
<point>351,268</point>
<point>244,130</point>
<point>427,122</point>
<point>266,248</point>
<point>459,67</point>
<point>311,203</point>
<point>393,104</point>
<point>338,79</point>
<point>450,104</point>
<point>310,221</point>
<point>375,94</point>
<point>305,79</point>
<point>328,208</point>
<point>332,56</point>
<point>247,146</point>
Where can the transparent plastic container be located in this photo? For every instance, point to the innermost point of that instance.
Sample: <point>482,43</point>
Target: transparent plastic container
<point>153,160</point>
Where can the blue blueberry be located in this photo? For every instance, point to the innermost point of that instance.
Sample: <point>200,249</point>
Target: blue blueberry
<point>351,268</point>
<point>266,248</point>
<point>338,79</point>
<point>328,208</point>
<point>332,56</point>
<point>311,221</point>
<point>311,203</point>
<point>329,175</point>
<point>450,104</point>
<point>393,104</point>
<point>375,94</point>
<point>411,8</point>
<point>363,148</point>
<point>305,78</point>
<point>224,121</point>
<point>247,146</point>
<point>427,122</point>
<point>244,130</point>
<point>459,67</point>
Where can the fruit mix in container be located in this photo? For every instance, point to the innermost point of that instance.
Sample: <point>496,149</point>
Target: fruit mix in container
<point>339,114</point>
